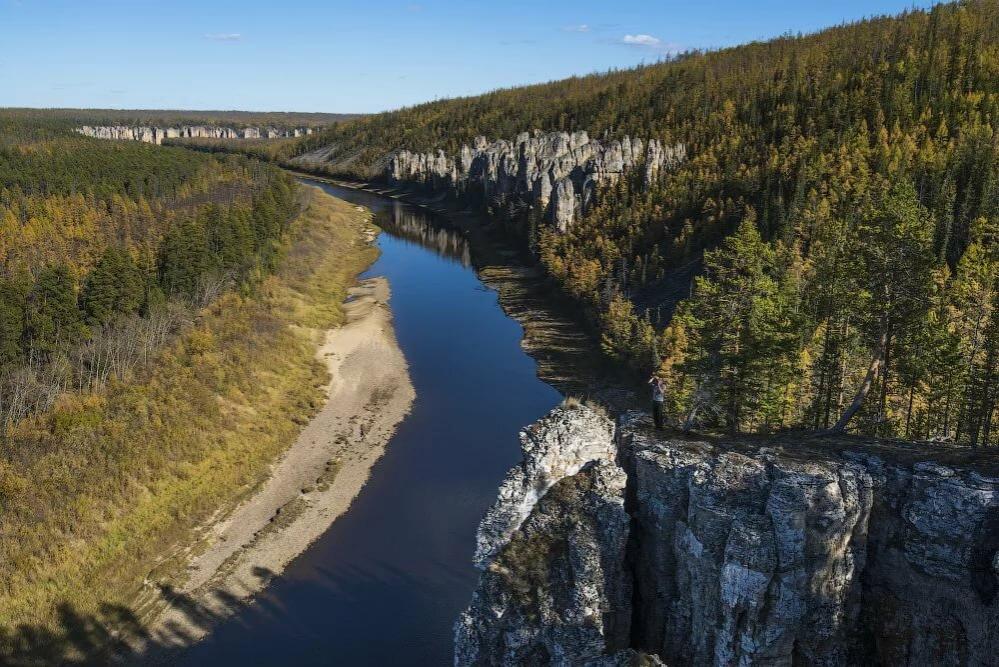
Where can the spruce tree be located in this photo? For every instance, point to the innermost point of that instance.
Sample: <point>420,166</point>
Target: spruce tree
<point>53,319</point>
<point>184,258</point>
<point>894,283</point>
<point>113,287</point>
<point>12,304</point>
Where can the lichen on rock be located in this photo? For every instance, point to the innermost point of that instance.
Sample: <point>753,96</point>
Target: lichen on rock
<point>557,446</point>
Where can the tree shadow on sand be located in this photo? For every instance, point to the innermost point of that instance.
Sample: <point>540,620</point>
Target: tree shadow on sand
<point>114,634</point>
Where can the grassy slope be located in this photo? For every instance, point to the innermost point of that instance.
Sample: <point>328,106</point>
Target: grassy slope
<point>133,471</point>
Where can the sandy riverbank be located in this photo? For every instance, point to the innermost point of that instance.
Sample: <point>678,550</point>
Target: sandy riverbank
<point>566,349</point>
<point>312,484</point>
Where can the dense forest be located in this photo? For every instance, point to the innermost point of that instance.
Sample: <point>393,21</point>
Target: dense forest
<point>840,205</point>
<point>101,242</point>
<point>137,298</point>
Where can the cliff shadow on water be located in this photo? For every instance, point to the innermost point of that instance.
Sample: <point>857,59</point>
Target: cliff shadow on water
<point>557,334</point>
<point>782,549</point>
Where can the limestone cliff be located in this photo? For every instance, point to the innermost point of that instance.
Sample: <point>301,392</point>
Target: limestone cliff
<point>553,550</point>
<point>558,173</point>
<point>156,135</point>
<point>782,551</point>
<point>555,447</point>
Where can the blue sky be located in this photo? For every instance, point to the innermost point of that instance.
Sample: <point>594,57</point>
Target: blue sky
<point>357,55</point>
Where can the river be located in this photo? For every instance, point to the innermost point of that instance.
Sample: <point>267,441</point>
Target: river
<point>385,584</point>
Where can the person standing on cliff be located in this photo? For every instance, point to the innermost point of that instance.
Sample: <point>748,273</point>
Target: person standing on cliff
<point>658,400</point>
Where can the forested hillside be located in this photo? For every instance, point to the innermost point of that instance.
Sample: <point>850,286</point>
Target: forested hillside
<point>127,325</point>
<point>96,236</point>
<point>840,199</point>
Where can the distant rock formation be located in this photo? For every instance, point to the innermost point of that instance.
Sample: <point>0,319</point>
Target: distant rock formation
<point>741,553</point>
<point>557,172</point>
<point>156,135</point>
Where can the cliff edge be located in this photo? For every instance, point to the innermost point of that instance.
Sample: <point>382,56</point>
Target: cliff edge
<point>776,551</point>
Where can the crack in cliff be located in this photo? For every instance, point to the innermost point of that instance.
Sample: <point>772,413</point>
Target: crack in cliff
<point>637,629</point>
<point>836,556</point>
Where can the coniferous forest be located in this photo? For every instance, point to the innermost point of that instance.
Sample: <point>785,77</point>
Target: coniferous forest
<point>818,255</point>
<point>102,241</point>
<point>839,206</point>
<point>110,255</point>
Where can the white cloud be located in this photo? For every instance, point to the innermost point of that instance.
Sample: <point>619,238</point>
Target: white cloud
<point>642,40</point>
<point>582,27</point>
<point>652,43</point>
<point>224,36</point>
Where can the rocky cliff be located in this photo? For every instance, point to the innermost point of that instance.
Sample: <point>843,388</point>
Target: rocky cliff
<point>156,135</point>
<point>554,590</point>
<point>763,552</point>
<point>557,173</point>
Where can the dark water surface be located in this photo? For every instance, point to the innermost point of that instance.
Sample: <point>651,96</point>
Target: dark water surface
<point>384,585</point>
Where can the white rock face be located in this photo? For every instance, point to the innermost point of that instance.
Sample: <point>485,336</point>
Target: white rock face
<point>557,446</point>
<point>808,555</point>
<point>762,555</point>
<point>799,552</point>
<point>557,592</point>
<point>533,167</point>
<point>553,589</point>
<point>156,135</point>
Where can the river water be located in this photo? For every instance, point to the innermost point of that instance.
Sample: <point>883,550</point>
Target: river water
<point>385,584</point>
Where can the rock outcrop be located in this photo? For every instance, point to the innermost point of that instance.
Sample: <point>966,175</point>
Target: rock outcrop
<point>780,552</point>
<point>156,135</point>
<point>555,447</point>
<point>746,558</point>
<point>552,549</point>
<point>556,594</point>
<point>557,173</point>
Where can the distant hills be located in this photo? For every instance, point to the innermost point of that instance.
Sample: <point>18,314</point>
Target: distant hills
<point>167,117</point>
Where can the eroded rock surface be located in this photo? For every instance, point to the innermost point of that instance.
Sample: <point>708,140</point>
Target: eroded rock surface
<point>555,447</point>
<point>556,593</point>
<point>763,552</point>
<point>746,558</point>
<point>556,172</point>
<point>156,135</point>
<point>554,589</point>
<point>777,556</point>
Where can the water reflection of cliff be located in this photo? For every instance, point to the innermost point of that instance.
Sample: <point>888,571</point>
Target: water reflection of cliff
<point>412,225</point>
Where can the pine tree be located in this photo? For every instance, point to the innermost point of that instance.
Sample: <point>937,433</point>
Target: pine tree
<point>53,319</point>
<point>115,286</point>
<point>894,284</point>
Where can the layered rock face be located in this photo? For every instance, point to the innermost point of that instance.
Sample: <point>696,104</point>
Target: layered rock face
<point>557,172</point>
<point>556,594</point>
<point>555,447</point>
<point>156,135</point>
<point>746,558</point>
<point>555,591</point>
<point>763,553</point>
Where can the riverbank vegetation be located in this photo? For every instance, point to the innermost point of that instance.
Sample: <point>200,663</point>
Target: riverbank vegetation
<point>158,342</point>
<point>277,150</point>
<point>840,203</point>
<point>100,240</point>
